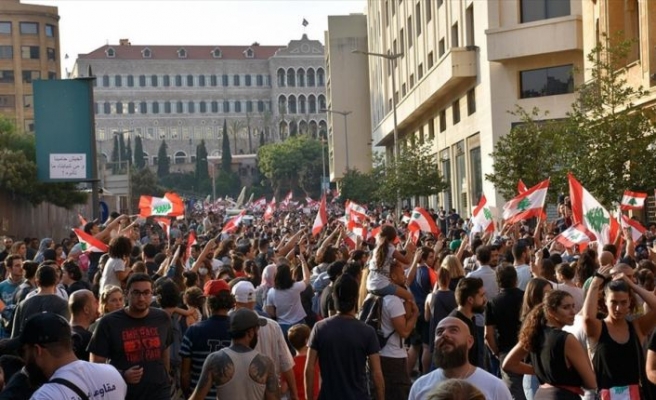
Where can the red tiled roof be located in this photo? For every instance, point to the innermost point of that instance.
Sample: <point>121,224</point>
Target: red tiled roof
<point>133,52</point>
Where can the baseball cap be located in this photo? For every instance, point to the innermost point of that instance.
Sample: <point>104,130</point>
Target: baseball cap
<point>244,292</point>
<point>213,287</point>
<point>42,328</point>
<point>243,319</point>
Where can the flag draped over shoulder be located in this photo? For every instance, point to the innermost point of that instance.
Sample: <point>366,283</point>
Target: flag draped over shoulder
<point>171,205</point>
<point>528,204</point>
<point>589,212</point>
<point>633,200</point>
<point>90,243</point>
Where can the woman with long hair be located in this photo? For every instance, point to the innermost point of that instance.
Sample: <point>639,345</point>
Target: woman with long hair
<point>454,267</point>
<point>557,358</point>
<point>283,302</point>
<point>268,277</point>
<point>19,248</point>
<point>110,300</point>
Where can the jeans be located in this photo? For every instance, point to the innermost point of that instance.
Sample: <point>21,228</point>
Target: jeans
<point>531,386</point>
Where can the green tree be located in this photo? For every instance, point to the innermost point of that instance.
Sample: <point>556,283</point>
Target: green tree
<point>236,127</point>
<point>359,186</point>
<point>139,161</point>
<point>128,151</point>
<point>122,150</point>
<point>202,168</point>
<point>262,142</point>
<point>115,155</point>
<point>163,162</point>
<point>144,183</point>
<point>226,157</point>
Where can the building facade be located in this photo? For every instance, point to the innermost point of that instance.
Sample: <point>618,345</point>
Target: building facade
<point>29,50</point>
<point>347,91</point>
<point>183,94</point>
<point>464,65</point>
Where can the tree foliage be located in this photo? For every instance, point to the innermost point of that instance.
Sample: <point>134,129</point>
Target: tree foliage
<point>163,162</point>
<point>226,156</point>
<point>144,182</point>
<point>359,186</point>
<point>139,161</point>
<point>201,173</point>
<point>18,171</point>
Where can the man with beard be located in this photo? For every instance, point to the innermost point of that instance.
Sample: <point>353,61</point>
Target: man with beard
<point>452,342</point>
<point>471,299</point>
<point>51,363</point>
<point>238,371</point>
<point>136,341</point>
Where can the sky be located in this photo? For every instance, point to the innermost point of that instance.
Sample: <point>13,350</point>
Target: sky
<point>85,25</point>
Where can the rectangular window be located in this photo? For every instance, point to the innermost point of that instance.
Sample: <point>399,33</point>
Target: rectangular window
<point>105,80</point>
<point>536,10</point>
<point>394,48</point>
<point>119,108</point>
<point>410,41</point>
<point>51,54</point>
<point>469,20</point>
<point>215,106</point>
<point>201,80</point>
<point>441,48</point>
<point>202,107</point>
<point>178,81</point>
<point>29,28</point>
<point>179,107</point>
<point>455,107</point>
<point>5,28</point>
<point>8,101</point>
<point>476,172</point>
<point>235,80</point>
<point>107,108</point>
<point>402,41</point>
<point>28,101</point>
<point>118,81</point>
<point>546,81</point>
<point>237,106</point>
<point>431,60</point>
<point>455,40</point>
<point>412,81</point>
<point>166,81</point>
<point>190,80</point>
<point>30,76</point>
<point>213,80</point>
<point>142,80</point>
<point>52,75</point>
<point>30,52</point>
<point>131,108</point>
<point>442,120</point>
<point>260,80</point>
<point>143,107</point>
<point>50,30</point>
<point>431,129</point>
<point>386,12</point>
<point>403,90</point>
<point>418,18</point>
<point>249,106</point>
<point>167,107</point>
<point>393,7</point>
<point>247,80</point>
<point>6,52</point>
<point>429,10</point>
<point>224,80</point>
<point>471,101</point>
<point>420,71</point>
<point>226,106</point>
<point>260,106</point>
<point>155,107</point>
<point>28,125</point>
<point>130,81</point>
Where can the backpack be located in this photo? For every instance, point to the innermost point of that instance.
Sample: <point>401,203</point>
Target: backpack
<point>372,315</point>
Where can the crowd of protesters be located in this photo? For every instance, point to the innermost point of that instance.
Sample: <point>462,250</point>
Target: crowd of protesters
<point>271,311</point>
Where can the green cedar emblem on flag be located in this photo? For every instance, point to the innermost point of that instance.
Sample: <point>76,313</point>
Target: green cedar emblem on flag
<point>524,204</point>
<point>633,201</point>
<point>487,214</point>
<point>596,218</point>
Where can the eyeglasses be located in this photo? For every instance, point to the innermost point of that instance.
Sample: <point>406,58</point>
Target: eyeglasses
<point>137,293</point>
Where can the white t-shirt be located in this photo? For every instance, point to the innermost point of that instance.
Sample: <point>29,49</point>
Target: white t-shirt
<point>576,292</point>
<point>109,277</point>
<point>523,276</point>
<point>492,387</point>
<point>289,309</point>
<point>392,308</point>
<point>98,381</point>
<point>378,278</point>
<point>61,292</point>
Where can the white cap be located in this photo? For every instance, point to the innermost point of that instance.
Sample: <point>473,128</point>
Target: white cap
<point>244,292</point>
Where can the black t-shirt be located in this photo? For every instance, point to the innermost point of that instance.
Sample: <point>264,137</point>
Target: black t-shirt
<point>78,285</point>
<point>127,341</point>
<point>326,303</point>
<point>151,267</point>
<point>503,312</point>
<point>18,387</point>
<point>81,339</point>
<point>343,345</point>
<point>473,352</point>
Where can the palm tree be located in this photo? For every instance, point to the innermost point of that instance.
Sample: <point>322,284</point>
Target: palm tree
<point>236,126</point>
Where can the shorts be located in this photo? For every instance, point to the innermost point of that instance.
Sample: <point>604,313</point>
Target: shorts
<point>386,291</point>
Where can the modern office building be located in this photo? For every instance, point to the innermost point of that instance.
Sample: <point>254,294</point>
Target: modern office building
<point>29,50</point>
<point>462,65</point>
<point>347,92</point>
<point>183,94</point>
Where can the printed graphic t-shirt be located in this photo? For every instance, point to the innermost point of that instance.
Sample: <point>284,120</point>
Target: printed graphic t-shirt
<point>127,341</point>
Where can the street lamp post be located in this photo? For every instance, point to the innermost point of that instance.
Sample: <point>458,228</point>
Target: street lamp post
<point>344,114</point>
<point>323,165</point>
<point>391,57</point>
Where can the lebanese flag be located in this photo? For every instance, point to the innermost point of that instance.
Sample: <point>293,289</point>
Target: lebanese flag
<point>635,227</point>
<point>82,221</point>
<point>233,223</point>
<point>191,240</point>
<point>271,207</point>
<point>165,223</point>
<point>521,187</point>
<point>633,200</point>
<point>322,217</point>
<point>287,199</point>
<point>528,204</point>
<point>352,236</point>
<point>309,202</point>
<point>421,220</point>
<point>170,205</point>
<point>482,216</point>
<point>90,243</point>
<point>357,211</point>
<point>258,204</point>
<point>589,212</point>
<point>575,234</point>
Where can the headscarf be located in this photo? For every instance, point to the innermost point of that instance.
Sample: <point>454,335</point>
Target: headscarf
<point>268,276</point>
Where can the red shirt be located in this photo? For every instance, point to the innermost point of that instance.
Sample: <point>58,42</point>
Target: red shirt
<point>299,375</point>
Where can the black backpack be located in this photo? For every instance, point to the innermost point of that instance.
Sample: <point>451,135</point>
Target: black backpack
<point>372,315</point>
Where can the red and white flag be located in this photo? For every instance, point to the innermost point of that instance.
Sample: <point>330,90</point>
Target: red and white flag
<point>528,204</point>
<point>521,187</point>
<point>170,205</point>
<point>575,234</point>
<point>270,209</point>
<point>482,217</point>
<point>285,202</point>
<point>165,224</point>
<point>322,217</point>
<point>258,204</point>
<point>90,243</point>
<point>233,223</point>
<point>421,220</point>
<point>191,240</point>
<point>635,228</point>
<point>633,200</point>
<point>589,212</point>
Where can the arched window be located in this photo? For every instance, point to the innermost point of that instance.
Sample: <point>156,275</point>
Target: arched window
<point>281,77</point>
<point>293,128</point>
<point>321,79</point>
<point>312,104</point>
<point>302,109</point>
<point>303,128</point>
<point>310,77</point>
<point>282,104</point>
<point>322,102</point>
<point>292,104</point>
<point>300,77</point>
<point>180,157</point>
<point>313,129</point>
<point>282,128</point>
<point>291,77</point>
<point>323,128</point>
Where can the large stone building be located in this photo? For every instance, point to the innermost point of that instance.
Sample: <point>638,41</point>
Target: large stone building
<point>29,50</point>
<point>183,94</point>
<point>464,65</point>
